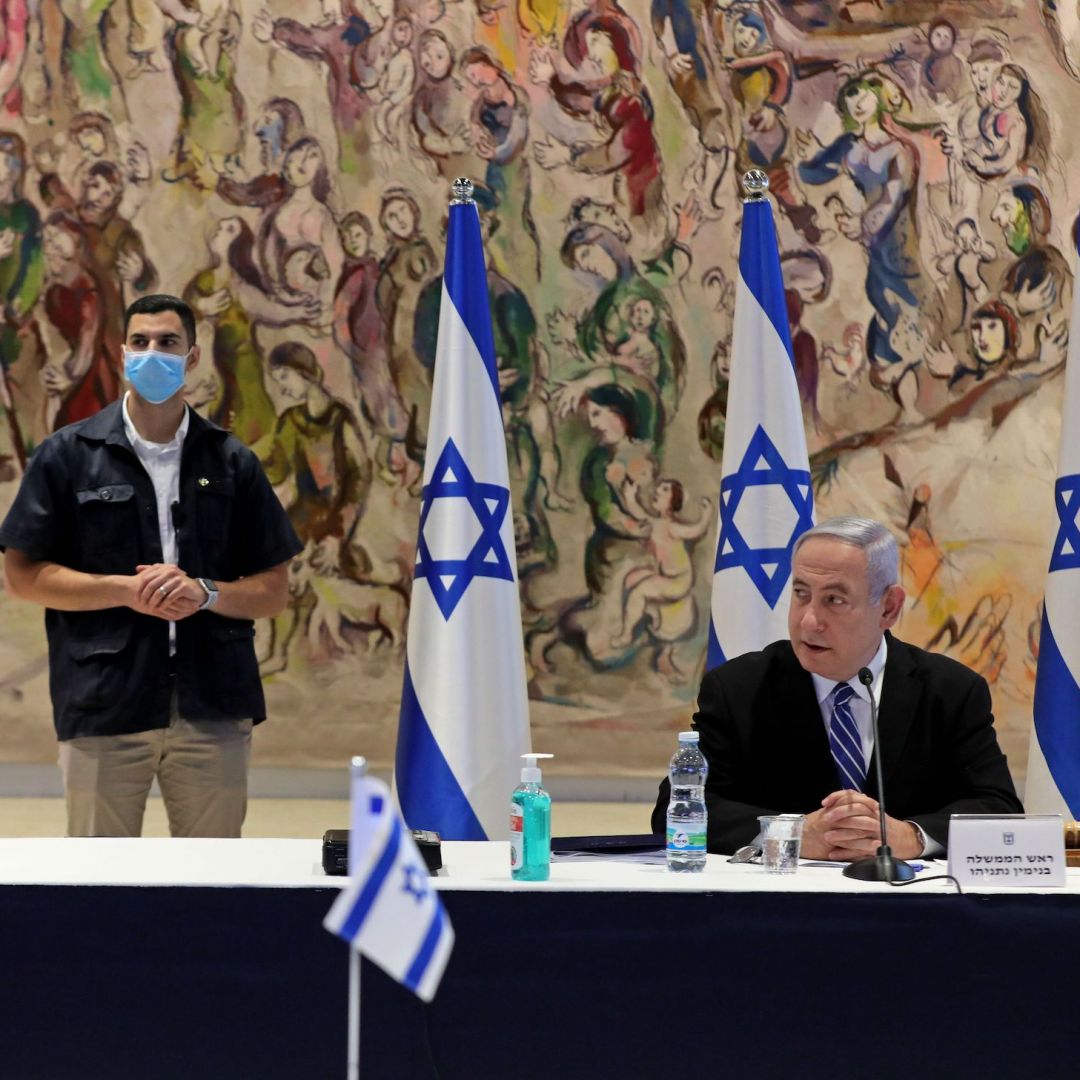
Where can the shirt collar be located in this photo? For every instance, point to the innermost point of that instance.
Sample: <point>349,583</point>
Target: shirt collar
<point>823,687</point>
<point>137,440</point>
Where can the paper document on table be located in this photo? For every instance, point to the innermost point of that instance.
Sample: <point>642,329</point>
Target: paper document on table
<point>658,857</point>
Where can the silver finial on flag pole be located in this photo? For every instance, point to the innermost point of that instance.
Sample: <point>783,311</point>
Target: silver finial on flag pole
<point>463,189</point>
<point>358,766</point>
<point>755,183</point>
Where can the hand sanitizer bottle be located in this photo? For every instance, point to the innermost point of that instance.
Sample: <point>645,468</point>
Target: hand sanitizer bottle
<point>530,825</point>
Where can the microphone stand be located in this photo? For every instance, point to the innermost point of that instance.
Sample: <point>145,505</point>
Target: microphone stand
<point>882,866</point>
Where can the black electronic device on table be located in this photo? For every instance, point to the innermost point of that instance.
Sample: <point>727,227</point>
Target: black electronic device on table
<point>335,850</point>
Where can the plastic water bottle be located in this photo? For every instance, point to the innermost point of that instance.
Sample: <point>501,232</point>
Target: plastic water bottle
<point>686,816</point>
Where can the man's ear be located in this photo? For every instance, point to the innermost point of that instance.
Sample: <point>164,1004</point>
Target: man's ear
<point>193,358</point>
<point>892,605</point>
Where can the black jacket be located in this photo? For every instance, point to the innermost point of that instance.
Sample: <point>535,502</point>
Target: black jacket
<point>764,738</point>
<point>87,503</point>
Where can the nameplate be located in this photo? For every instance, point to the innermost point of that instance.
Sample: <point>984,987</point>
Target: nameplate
<point>1023,850</point>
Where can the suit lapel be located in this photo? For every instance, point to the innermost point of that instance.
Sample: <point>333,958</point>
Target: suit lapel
<point>801,727</point>
<point>896,711</point>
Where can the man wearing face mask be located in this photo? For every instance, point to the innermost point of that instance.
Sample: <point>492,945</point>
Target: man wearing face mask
<point>153,540</point>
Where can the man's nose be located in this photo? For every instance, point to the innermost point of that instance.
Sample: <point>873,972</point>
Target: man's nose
<point>811,619</point>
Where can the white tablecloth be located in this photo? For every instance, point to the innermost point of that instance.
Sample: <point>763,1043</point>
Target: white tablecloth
<point>485,867</point>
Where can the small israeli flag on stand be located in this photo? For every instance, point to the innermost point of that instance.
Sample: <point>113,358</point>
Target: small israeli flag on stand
<point>464,708</point>
<point>766,497</point>
<point>1053,772</point>
<point>389,911</point>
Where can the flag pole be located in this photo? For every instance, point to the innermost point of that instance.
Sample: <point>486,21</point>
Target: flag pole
<point>357,770</point>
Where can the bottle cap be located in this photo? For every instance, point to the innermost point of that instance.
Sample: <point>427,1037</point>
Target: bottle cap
<point>531,773</point>
<point>688,736</point>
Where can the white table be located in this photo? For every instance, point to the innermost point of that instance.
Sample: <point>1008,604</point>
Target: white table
<point>180,958</point>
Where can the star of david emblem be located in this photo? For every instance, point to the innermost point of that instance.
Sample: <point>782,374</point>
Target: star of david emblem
<point>1066,553</point>
<point>448,578</point>
<point>762,466</point>
<point>415,884</point>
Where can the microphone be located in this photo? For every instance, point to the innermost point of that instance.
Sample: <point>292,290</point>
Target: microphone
<point>882,866</point>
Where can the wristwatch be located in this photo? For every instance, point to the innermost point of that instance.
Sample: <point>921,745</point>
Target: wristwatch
<point>212,593</point>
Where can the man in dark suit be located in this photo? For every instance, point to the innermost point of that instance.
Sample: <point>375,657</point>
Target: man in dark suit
<point>783,734</point>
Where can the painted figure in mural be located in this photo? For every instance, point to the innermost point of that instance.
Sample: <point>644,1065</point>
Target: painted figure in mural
<point>623,114</point>
<point>232,295</point>
<point>807,280</point>
<point>994,337</point>
<point>761,80</point>
<point>991,379</point>
<point>530,435</point>
<point>278,126</point>
<point>1011,128</point>
<point>883,164</point>
<point>1037,284</point>
<point>330,41</point>
<point>942,70</point>
<point>500,129</point>
<point>618,463</point>
<point>89,80</point>
<point>600,251</point>
<point>85,380</point>
<point>659,598</point>
<point>147,31</point>
<point>121,266</point>
<point>680,30</point>
<point>440,110</point>
<point>361,333</point>
<point>962,123</point>
<point>407,265</point>
<point>396,84</point>
<point>303,218</point>
<point>574,77</point>
<point>14,17</point>
<point>211,133</point>
<point>317,462</point>
<point>64,164</point>
<point>966,287</point>
<point>21,272</point>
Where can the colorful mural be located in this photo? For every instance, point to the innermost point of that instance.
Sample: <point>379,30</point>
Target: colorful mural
<point>286,168</point>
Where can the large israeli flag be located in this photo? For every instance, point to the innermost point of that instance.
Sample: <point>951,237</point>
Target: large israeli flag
<point>766,498</point>
<point>464,710</point>
<point>1053,773</point>
<point>389,912</point>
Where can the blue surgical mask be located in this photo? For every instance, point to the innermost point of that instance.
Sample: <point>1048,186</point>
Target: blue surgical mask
<point>155,376</point>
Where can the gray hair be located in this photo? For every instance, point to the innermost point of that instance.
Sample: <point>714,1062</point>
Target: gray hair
<point>882,554</point>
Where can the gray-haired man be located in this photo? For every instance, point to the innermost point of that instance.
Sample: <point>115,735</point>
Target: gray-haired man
<point>788,729</point>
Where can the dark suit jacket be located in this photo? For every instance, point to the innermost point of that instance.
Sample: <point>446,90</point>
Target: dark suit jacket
<point>768,752</point>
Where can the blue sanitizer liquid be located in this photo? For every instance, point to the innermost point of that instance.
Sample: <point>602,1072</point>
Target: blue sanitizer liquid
<point>530,833</point>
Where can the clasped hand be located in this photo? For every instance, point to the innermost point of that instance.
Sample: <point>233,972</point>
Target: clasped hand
<point>847,827</point>
<point>165,591</point>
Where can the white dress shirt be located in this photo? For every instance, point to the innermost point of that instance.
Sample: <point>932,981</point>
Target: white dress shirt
<point>162,464</point>
<point>860,710</point>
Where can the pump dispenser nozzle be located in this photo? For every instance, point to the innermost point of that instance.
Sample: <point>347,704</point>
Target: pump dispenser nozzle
<point>530,774</point>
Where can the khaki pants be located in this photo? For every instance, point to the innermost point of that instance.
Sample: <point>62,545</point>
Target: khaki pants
<point>201,767</point>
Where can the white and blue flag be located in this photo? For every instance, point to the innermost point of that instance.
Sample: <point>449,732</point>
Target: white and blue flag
<point>1053,773</point>
<point>389,911</point>
<point>766,498</point>
<point>464,708</point>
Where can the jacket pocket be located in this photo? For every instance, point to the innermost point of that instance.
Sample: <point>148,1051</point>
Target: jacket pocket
<point>108,524</point>
<point>98,669</point>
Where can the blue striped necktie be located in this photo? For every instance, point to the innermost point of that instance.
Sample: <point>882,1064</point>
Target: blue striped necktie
<point>844,739</point>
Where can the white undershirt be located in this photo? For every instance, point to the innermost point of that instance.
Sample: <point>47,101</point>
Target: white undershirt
<point>162,464</point>
<point>860,710</point>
